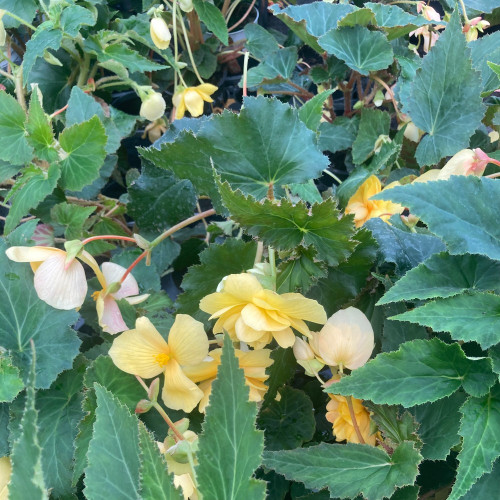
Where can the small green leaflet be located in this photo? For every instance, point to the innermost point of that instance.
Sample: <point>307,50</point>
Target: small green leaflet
<point>276,67</point>
<point>372,125</point>
<point>312,111</point>
<point>10,382</point>
<point>40,137</point>
<point>213,19</point>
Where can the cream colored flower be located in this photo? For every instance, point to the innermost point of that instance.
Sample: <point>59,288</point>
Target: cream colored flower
<point>307,355</point>
<point>153,106</point>
<point>5,472</point>
<point>364,209</point>
<point>58,282</point>
<point>192,99</point>
<point>160,33</point>
<point>253,364</point>
<point>252,314</point>
<point>108,312</point>
<point>145,353</point>
<point>346,340</point>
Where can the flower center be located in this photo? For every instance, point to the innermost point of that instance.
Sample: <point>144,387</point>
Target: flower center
<point>162,359</point>
<point>95,296</point>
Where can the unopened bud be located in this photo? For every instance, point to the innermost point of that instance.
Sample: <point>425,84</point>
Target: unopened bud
<point>141,241</point>
<point>3,34</point>
<point>302,351</point>
<point>186,5</point>
<point>154,389</point>
<point>143,406</point>
<point>160,33</point>
<point>51,59</point>
<point>153,106</point>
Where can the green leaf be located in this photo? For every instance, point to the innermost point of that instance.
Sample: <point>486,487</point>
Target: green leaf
<point>373,124</point>
<point>484,49</point>
<point>25,9</point>
<point>405,249</point>
<point>158,200</point>
<point>73,217</point>
<point>361,49</point>
<point>289,422</point>
<point>10,381</point>
<point>129,58</point>
<point>156,483</point>
<point>213,19</point>
<point>4,429</point>
<point>113,457</point>
<point>26,480</point>
<point>438,426</point>
<point>394,333</point>
<point>348,470</point>
<point>472,316</point>
<point>259,42</point>
<point>41,137</point>
<point>84,144</point>
<point>312,111</point>
<point>278,150</point>
<point>481,5</point>
<point>444,275</point>
<point>280,372</point>
<point>14,146</point>
<point>147,276</point>
<point>466,223</point>
<point>286,225</point>
<point>277,67</point>
<point>420,371</point>
<point>486,486</point>
<point>230,448</point>
<point>481,446</point>
<point>74,17</point>
<point>444,98</point>
<point>338,135</point>
<point>25,317</point>
<point>44,38</point>
<point>362,17</point>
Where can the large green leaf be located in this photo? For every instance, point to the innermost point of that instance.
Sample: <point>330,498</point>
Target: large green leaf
<point>472,316</point>
<point>84,144</point>
<point>420,371</point>
<point>230,448</point>
<point>483,50</point>
<point>26,318</point>
<point>466,222</point>
<point>372,125</point>
<point>361,49</point>
<point>10,382</point>
<point>113,457</point>
<point>445,275</point>
<point>277,67</point>
<point>338,135</point>
<point>43,38</point>
<point>486,486</point>
<point>259,41</point>
<point>481,445</point>
<point>349,470</point>
<point>278,149</point>
<point>444,98</point>
<point>74,17</point>
<point>286,225</point>
<point>213,19</point>
<point>14,146</point>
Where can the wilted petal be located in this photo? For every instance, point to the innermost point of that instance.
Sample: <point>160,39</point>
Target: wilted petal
<point>187,340</point>
<point>179,393</point>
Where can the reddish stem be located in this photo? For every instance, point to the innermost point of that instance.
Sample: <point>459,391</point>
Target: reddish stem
<point>136,261</point>
<point>245,15</point>
<point>108,237</point>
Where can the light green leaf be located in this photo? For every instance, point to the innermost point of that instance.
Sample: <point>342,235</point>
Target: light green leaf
<point>420,371</point>
<point>481,446</point>
<point>277,67</point>
<point>286,225</point>
<point>445,275</point>
<point>129,58</point>
<point>467,223</point>
<point>486,486</point>
<point>230,448</point>
<point>289,422</point>
<point>4,429</point>
<point>74,17</point>
<point>10,381</point>
<point>84,143</point>
<point>156,483</point>
<point>44,38</point>
<point>438,425</point>
<point>213,19</point>
<point>361,49</point>
<point>41,137</point>
<point>338,135</point>
<point>259,41</point>
<point>444,98</point>
<point>348,470</point>
<point>361,17</point>
<point>372,125</point>
<point>484,49</point>
<point>25,317</point>
<point>482,5</point>
<point>72,217</point>
<point>147,277</point>
<point>25,9</point>
<point>14,146</point>
<point>312,111</point>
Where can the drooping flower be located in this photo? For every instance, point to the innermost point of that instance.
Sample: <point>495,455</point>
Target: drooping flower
<point>428,12</point>
<point>108,312</point>
<point>473,27</point>
<point>307,355</point>
<point>59,281</point>
<point>343,428</point>
<point>160,33</point>
<point>191,99</point>
<point>347,339</point>
<point>5,472</point>
<point>153,106</point>
<point>253,364</point>
<point>255,315</point>
<point>145,353</point>
<point>364,209</point>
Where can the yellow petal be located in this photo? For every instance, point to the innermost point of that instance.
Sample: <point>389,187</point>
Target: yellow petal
<point>202,371</point>
<point>245,333</point>
<point>193,102</point>
<point>180,106</point>
<point>242,286</point>
<point>257,319</point>
<point>32,254</point>
<point>179,393</point>
<point>260,358</point>
<point>5,472</point>
<point>297,306</point>
<point>218,303</point>
<point>206,88</point>
<point>135,351</point>
<point>206,387</point>
<point>187,340</point>
<point>85,257</point>
<point>285,338</point>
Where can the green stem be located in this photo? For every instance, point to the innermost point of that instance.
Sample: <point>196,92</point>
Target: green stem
<point>464,11</point>
<point>272,262</point>
<point>84,71</point>
<point>188,47</point>
<point>17,18</point>
<point>332,175</point>
<point>19,88</point>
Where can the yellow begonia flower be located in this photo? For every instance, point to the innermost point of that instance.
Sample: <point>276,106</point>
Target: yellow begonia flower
<point>5,472</point>
<point>108,312</point>
<point>364,209</point>
<point>252,314</point>
<point>346,340</point>
<point>59,283</point>
<point>343,429</point>
<point>145,353</point>
<point>160,34</point>
<point>253,364</point>
<point>192,99</point>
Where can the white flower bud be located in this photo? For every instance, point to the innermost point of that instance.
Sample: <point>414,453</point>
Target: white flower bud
<point>3,34</point>
<point>160,33</point>
<point>153,106</point>
<point>186,5</point>
<point>302,351</point>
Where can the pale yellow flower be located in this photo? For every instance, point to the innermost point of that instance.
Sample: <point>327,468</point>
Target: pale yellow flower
<point>307,355</point>
<point>192,99</point>
<point>346,340</point>
<point>160,33</point>
<point>145,353</point>
<point>59,282</point>
<point>253,364</point>
<point>5,472</point>
<point>343,428</point>
<point>364,209</point>
<point>108,312</point>
<point>252,314</point>
<point>153,106</point>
